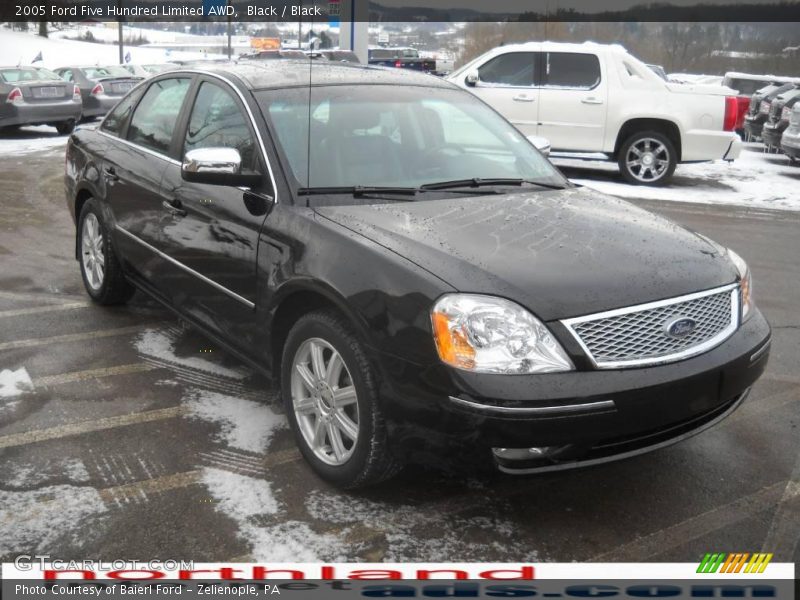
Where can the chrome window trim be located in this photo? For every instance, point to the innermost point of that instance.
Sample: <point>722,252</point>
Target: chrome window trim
<point>142,148</point>
<point>241,96</point>
<point>571,409</point>
<point>667,358</point>
<point>189,270</point>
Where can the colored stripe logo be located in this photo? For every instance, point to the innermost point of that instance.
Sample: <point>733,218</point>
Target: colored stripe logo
<point>737,562</point>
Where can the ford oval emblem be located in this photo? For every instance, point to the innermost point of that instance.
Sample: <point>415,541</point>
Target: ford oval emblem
<point>680,327</point>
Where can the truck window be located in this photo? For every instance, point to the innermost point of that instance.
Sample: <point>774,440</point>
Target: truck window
<point>571,70</point>
<point>514,69</point>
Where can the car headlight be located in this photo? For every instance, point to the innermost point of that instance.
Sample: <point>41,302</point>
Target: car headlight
<point>486,334</point>
<point>745,283</point>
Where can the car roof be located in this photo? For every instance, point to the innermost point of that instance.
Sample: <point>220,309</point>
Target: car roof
<point>560,46</point>
<point>295,72</point>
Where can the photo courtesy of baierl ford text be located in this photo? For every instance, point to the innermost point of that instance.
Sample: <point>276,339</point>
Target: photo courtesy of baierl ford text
<point>395,299</point>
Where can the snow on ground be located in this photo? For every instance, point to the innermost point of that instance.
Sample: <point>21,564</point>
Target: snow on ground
<point>36,519</point>
<point>35,474</point>
<point>754,180</point>
<point>31,139</point>
<point>244,424</point>
<point>160,345</point>
<point>238,496</point>
<point>21,48</point>
<point>13,384</point>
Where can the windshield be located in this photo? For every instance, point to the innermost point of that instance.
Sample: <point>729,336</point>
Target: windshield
<point>100,72</point>
<point>397,136</point>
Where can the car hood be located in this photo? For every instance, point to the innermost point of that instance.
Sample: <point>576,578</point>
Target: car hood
<point>561,253</point>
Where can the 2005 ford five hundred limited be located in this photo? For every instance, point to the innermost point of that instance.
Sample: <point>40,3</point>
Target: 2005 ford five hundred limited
<point>417,278</point>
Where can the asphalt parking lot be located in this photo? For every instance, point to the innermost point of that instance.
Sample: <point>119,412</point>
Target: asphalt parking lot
<point>138,439</point>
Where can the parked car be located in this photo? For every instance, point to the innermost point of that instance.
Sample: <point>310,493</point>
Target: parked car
<point>148,70</point>
<point>598,98</point>
<point>101,87</point>
<point>778,119</point>
<point>32,96</point>
<point>790,140</point>
<point>401,58</point>
<point>758,110</point>
<point>335,55</point>
<point>747,84</point>
<point>273,54</point>
<point>416,277</point>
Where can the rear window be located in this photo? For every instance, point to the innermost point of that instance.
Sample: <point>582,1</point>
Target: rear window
<point>100,72</point>
<point>15,75</point>
<point>571,70</point>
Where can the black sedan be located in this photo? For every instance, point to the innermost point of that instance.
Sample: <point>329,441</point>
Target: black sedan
<point>35,96</point>
<point>416,277</point>
<point>101,86</point>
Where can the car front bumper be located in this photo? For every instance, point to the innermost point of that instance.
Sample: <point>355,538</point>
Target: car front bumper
<point>771,135</point>
<point>754,125</point>
<point>36,113</point>
<point>572,418</point>
<point>790,142</point>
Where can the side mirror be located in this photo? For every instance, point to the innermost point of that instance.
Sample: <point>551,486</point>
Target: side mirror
<point>472,78</point>
<point>216,166</point>
<point>542,144</point>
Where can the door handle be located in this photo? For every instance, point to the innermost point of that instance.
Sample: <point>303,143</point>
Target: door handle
<point>523,98</point>
<point>110,173</point>
<point>592,101</point>
<point>174,207</point>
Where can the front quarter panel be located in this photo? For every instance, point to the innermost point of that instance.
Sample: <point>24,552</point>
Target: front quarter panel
<point>385,296</point>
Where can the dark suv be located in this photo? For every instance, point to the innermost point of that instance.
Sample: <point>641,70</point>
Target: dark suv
<point>419,280</point>
<point>758,111</point>
<point>778,120</point>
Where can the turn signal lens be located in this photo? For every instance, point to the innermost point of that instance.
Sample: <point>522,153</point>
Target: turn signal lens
<point>745,284</point>
<point>486,334</point>
<point>452,344</point>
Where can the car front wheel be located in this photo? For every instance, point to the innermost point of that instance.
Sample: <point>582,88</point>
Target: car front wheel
<point>100,267</point>
<point>330,395</point>
<point>647,158</point>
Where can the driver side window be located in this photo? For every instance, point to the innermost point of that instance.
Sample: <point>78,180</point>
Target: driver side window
<point>218,122</point>
<point>513,69</point>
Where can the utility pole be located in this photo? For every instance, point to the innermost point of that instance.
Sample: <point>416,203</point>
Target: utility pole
<point>230,29</point>
<point>119,33</point>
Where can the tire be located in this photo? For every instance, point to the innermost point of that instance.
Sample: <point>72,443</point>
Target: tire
<point>100,267</point>
<point>311,401</point>
<point>65,127</point>
<point>652,146</point>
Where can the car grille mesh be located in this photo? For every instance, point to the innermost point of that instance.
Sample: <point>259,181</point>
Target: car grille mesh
<point>641,336</point>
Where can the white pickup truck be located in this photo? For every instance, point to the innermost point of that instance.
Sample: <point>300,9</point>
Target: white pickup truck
<point>598,98</point>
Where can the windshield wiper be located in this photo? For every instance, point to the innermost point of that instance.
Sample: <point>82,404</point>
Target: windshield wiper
<point>357,190</point>
<point>478,182</point>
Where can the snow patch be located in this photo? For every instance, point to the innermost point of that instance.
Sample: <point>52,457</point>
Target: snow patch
<point>12,384</point>
<point>33,475</point>
<point>251,504</point>
<point>35,520</point>
<point>426,534</point>
<point>159,345</point>
<point>29,140</point>
<point>754,180</point>
<point>244,424</point>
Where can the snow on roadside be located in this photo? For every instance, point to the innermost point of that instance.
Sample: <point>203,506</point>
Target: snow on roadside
<point>238,496</point>
<point>244,424</point>
<point>754,180</point>
<point>160,345</point>
<point>12,385</point>
<point>459,537</point>
<point>37,519</point>
<point>27,140</point>
<point>35,474</point>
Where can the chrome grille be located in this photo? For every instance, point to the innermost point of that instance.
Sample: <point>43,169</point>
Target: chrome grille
<point>639,335</point>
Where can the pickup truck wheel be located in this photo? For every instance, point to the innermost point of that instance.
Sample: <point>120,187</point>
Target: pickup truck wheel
<point>100,267</point>
<point>331,400</point>
<point>647,158</point>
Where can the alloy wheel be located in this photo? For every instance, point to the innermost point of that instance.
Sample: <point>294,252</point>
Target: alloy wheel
<point>92,252</point>
<point>647,160</point>
<point>325,402</point>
